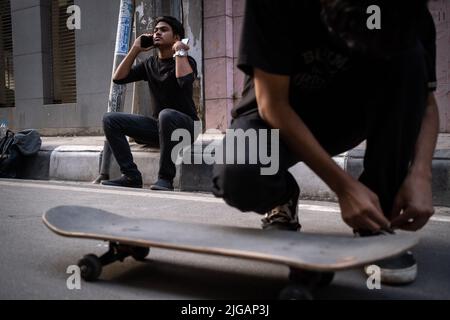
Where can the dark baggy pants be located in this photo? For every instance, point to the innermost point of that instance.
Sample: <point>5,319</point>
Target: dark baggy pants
<point>146,130</point>
<point>386,108</point>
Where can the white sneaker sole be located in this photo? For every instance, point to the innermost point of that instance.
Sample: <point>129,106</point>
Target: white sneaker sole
<point>397,276</point>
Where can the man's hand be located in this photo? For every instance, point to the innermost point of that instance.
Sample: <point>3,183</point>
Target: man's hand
<point>360,208</point>
<point>413,204</point>
<point>125,66</point>
<point>137,43</point>
<point>180,46</point>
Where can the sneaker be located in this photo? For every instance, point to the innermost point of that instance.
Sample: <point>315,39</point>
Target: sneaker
<point>284,217</point>
<point>100,178</point>
<point>125,181</point>
<point>397,270</point>
<point>162,185</point>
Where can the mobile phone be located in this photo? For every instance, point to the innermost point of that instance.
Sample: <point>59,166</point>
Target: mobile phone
<point>185,41</point>
<point>146,41</point>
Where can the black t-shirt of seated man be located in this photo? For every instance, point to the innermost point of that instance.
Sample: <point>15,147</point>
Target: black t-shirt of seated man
<point>290,38</point>
<point>166,91</point>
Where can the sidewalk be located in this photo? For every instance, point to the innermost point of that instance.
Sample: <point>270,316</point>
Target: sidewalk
<point>77,159</point>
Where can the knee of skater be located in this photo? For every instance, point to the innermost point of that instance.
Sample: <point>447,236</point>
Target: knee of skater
<point>236,184</point>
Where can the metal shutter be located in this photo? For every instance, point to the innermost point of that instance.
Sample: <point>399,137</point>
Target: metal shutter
<point>6,56</point>
<point>63,51</point>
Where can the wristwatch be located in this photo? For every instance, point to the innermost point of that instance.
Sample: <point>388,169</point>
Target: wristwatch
<point>180,53</point>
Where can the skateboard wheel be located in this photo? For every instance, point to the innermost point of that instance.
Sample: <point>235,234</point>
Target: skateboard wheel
<point>325,279</point>
<point>295,292</point>
<point>139,253</point>
<point>90,267</point>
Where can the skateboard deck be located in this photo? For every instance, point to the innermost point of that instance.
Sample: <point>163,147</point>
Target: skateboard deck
<point>306,252</point>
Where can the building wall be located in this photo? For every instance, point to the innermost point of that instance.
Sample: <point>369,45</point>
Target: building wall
<point>223,82</point>
<point>94,57</point>
<point>223,85</point>
<point>95,41</point>
<point>440,10</point>
<point>222,21</point>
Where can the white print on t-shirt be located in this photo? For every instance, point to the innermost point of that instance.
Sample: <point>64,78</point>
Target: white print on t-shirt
<point>320,67</point>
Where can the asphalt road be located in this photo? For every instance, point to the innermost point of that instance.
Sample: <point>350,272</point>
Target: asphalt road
<point>33,260</point>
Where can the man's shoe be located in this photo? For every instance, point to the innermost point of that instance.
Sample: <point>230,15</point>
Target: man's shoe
<point>284,217</point>
<point>398,270</point>
<point>162,185</point>
<point>100,178</point>
<point>125,181</point>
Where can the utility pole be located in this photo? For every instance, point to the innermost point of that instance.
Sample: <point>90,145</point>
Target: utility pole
<point>117,92</point>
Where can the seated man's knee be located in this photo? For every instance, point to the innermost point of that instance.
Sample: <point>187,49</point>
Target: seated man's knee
<point>109,119</point>
<point>166,115</point>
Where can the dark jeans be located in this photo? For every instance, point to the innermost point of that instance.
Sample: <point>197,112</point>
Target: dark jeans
<point>145,130</point>
<point>386,108</point>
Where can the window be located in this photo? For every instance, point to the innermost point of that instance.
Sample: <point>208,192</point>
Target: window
<point>6,57</point>
<point>64,89</point>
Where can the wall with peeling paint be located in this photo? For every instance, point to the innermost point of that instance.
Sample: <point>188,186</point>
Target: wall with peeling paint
<point>95,45</point>
<point>223,22</point>
<point>94,62</point>
<point>440,10</point>
<point>223,85</point>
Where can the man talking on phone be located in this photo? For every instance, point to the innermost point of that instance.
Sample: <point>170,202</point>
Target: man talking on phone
<point>170,78</point>
<point>317,71</point>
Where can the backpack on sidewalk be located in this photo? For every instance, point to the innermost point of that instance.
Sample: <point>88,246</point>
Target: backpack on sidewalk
<point>14,147</point>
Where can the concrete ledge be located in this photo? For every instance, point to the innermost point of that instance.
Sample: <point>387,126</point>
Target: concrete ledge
<point>73,165</point>
<point>37,167</point>
<point>197,177</point>
<point>82,162</point>
<point>77,159</point>
<point>311,186</point>
<point>440,172</point>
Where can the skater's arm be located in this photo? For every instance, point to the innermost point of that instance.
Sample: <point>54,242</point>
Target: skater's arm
<point>413,205</point>
<point>360,207</point>
<point>274,107</point>
<point>426,142</point>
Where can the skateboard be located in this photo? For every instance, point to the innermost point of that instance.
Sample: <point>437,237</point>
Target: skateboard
<point>312,258</point>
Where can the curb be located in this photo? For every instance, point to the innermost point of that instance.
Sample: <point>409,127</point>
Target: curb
<point>440,172</point>
<point>81,163</point>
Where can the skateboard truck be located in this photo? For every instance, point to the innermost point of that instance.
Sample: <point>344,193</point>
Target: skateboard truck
<point>302,282</point>
<point>91,265</point>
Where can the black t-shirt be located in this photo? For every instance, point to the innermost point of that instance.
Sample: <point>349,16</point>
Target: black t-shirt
<point>166,91</point>
<point>289,38</point>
